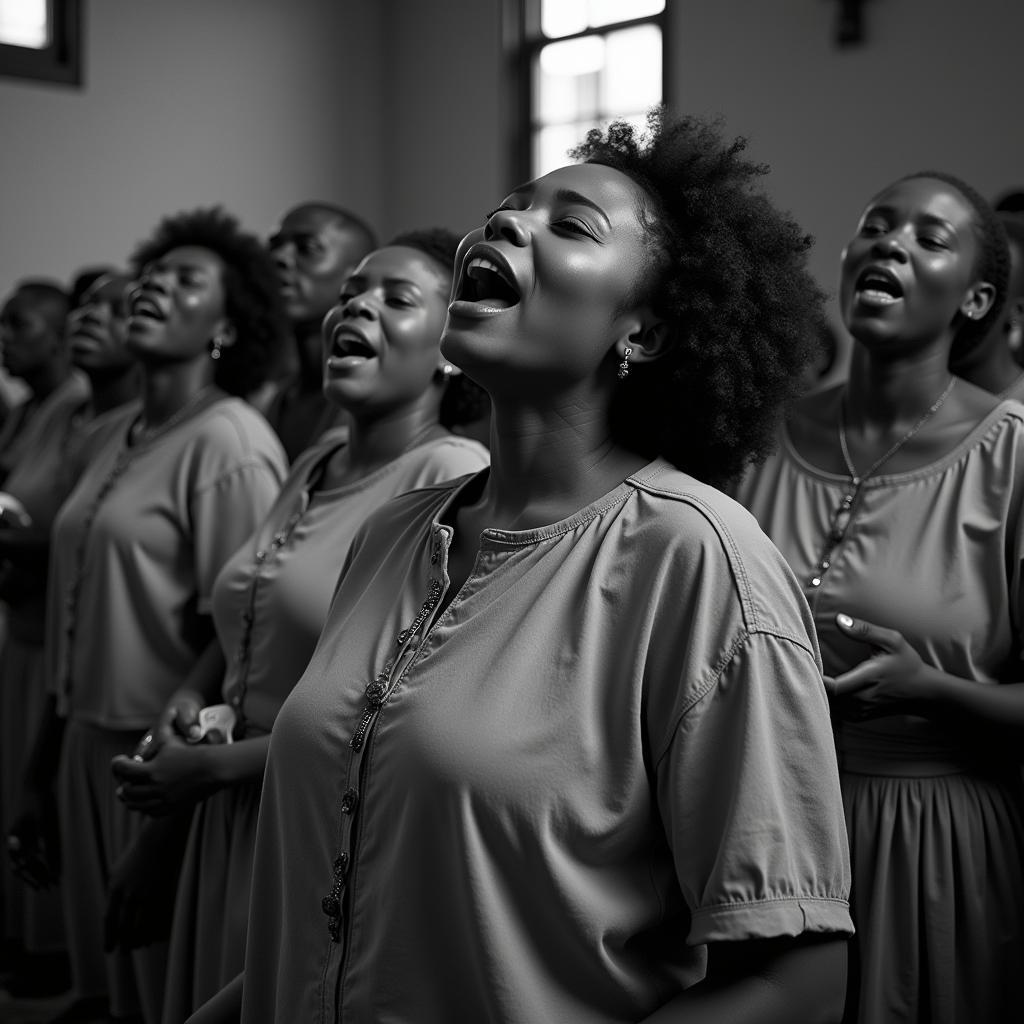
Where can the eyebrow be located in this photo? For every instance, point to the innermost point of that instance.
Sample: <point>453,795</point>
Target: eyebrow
<point>183,265</point>
<point>389,282</point>
<point>567,195</point>
<point>926,218</point>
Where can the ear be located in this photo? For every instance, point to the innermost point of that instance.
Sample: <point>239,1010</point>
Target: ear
<point>645,335</point>
<point>978,300</point>
<point>225,330</point>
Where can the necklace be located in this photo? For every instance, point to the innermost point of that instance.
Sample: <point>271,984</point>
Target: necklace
<point>140,432</point>
<point>843,515</point>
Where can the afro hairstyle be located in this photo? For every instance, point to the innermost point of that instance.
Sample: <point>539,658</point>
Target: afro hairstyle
<point>728,275</point>
<point>251,287</point>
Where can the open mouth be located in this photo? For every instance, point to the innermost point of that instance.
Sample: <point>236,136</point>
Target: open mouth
<point>487,281</point>
<point>349,346</point>
<point>879,286</point>
<point>144,308</point>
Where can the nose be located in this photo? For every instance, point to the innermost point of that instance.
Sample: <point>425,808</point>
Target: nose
<point>508,225</point>
<point>153,279</point>
<point>283,255</point>
<point>359,305</point>
<point>889,246</point>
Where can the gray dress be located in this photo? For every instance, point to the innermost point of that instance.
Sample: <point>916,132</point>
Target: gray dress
<point>934,818</point>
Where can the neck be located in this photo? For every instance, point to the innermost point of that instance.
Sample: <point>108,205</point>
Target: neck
<point>882,394</point>
<point>547,463</point>
<point>375,441</point>
<point>169,387</point>
<point>309,351</point>
<point>113,388</point>
<point>993,369</point>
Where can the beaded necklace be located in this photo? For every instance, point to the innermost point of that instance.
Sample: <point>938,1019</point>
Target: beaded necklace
<point>131,446</point>
<point>844,512</point>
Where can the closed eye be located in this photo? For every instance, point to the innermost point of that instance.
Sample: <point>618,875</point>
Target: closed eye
<point>574,225</point>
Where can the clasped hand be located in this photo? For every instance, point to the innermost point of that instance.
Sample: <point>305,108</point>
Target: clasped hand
<point>177,774</point>
<point>891,680</point>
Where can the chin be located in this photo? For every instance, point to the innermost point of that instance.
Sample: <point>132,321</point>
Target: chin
<point>470,345</point>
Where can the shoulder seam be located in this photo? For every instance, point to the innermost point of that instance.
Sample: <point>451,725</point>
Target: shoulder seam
<point>714,677</point>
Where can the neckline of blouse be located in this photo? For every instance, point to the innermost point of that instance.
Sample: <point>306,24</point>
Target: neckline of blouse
<point>212,401</point>
<point>319,464</point>
<point>527,538</point>
<point>974,437</point>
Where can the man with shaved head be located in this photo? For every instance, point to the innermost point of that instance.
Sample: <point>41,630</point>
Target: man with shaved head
<point>315,247</point>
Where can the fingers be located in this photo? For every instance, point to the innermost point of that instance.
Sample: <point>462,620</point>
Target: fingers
<point>869,632</point>
<point>858,678</point>
<point>145,748</point>
<point>127,769</point>
<point>186,721</point>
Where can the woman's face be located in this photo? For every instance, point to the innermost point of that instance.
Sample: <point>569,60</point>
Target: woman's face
<point>177,306</point>
<point>546,288</point>
<point>98,328</point>
<point>29,336</point>
<point>381,339</point>
<point>910,269</point>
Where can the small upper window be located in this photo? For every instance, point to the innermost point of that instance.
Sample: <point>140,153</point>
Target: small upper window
<point>25,23</point>
<point>586,62</point>
<point>41,39</point>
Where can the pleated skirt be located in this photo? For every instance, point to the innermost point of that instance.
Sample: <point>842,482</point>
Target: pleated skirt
<point>95,830</point>
<point>31,917</point>
<point>211,913</point>
<point>937,899</point>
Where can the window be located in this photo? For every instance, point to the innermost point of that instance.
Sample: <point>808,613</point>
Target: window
<point>41,39</point>
<point>581,63</point>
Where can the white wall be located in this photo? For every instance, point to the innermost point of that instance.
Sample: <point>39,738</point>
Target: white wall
<point>251,103</point>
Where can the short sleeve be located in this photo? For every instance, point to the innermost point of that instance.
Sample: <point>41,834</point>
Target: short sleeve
<point>448,461</point>
<point>748,790</point>
<point>224,515</point>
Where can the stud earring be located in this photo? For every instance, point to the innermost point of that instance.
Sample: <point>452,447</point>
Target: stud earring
<point>217,344</point>
<point>624,365</point>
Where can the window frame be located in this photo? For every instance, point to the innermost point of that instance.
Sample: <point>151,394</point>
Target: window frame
<point>524,40</point>
<point>61,61</point>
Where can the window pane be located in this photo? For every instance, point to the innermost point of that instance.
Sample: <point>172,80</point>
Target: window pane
<point>607,12</point>
<point>632,78</point>
<point>562,17</point>
<point>25,23</point>
<point>565,17</point>
<point>567,80</point>
<point>551,145</point>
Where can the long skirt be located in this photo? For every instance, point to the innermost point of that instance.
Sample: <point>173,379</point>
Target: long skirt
<point>211,913</point>
<point>31,918</point>
<point>95,829</point>
<point>937,899</point>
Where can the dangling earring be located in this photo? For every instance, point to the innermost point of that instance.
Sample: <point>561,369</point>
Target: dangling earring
<point>218,344</point>
<point>624,365</point>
